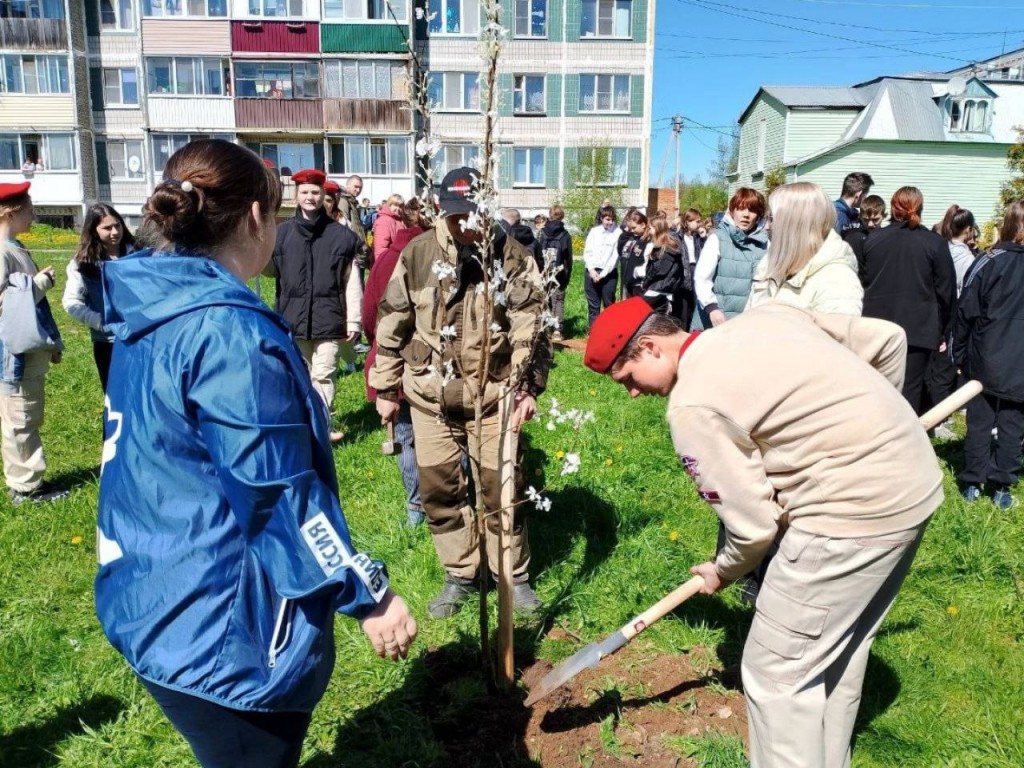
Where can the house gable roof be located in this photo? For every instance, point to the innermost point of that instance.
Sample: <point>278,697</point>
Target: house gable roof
<point>809,96</point>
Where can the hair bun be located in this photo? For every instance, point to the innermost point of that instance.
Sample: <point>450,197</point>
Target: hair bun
<point>172,209</point>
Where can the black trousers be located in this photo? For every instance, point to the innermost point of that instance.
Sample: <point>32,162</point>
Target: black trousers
<point>918,360</point>
<point>600,294</point>
<point>998,464</point>
<point>102,351</point>
<point>231,738</point>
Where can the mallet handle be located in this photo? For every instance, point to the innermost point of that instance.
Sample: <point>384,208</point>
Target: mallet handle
<point>954,402</point>
<point>391,431</point>
<point>668,603</point>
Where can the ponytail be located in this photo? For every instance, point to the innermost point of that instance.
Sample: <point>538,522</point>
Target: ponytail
<point>906,206</point>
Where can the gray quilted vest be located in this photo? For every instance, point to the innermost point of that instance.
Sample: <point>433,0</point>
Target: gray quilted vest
<point>736,264</point>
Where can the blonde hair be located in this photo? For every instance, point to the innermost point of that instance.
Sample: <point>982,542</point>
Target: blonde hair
<point>13,205</point>
<point>396,199</point>
<point>802,216</point>
<point>659,233</point>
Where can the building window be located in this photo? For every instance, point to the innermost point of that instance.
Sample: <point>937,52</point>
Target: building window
<point>604,93</point>
<point>529,95</point>
<point>277,80</point>
<point>34,74</point>
<point>275,8</point>
<point>289,158</point>
<point>120,87</point>
<point>166,144</point>
<point>762,140</point>
<point>528,167</point>
<point>454,91</point>
<point>969,115</point>
<point>31,9</point>
<point>365,10</point>
<point>531,18</point>
<point>365,79</point>
<point>455,17</point>
<point>116,15</point>
<point>43,152</point>
<point>606,18</point>
<point>452,156</point>
<point>374,156</point>
<point>602,166</point>
<point>187,76</point>
<point>184,7</point>
<point>124,160</point>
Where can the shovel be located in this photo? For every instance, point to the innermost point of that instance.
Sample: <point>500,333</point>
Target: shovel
<point>590,655</point>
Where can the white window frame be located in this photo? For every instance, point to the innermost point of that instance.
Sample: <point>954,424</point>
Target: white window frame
<point>118,9</point>
<point>263,79</point>
<point>361,11</point>
<point>600,5</point>
<point>530,156</point>
<point>44,61</point>
<point>520,93</point>
<point>447,78</point>
<point>968,120</point>
<point>261,7</point>
<point>362,148</point>
<point>617,180</point>
<point>469,154</point>
<point>182,9</point>
<point>43,142</point>
<point>120,103</point>
<point>174,137</point>
<point>336,82</point>
<point>469,19</point>
<point>122,146</point>
<point>198,65</point>
<point>596,91</point>
<point>524,11</point>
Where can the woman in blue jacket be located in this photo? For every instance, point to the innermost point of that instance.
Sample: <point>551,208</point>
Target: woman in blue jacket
<point>223,550</point>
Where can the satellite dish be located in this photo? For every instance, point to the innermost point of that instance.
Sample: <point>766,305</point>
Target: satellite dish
<point>957,85</point>
<point>134,164</point>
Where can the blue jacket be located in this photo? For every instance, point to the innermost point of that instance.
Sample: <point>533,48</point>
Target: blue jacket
<point>223,549</point>
<point>847,218</point>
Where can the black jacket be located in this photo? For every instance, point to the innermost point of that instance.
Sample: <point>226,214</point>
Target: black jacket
<point>631,257</point>
<point>554,237</point>
<point>988,333</point>
<point>855,237</point>
<point>910,282</point>
<point>667,277</point>
<point>311,264</point>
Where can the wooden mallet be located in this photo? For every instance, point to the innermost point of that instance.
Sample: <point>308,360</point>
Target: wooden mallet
<point>389,447</point>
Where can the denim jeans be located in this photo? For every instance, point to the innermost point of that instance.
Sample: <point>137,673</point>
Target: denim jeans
<point>407,463</point>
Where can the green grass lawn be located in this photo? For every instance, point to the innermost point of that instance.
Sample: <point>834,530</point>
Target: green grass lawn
<point>944,686</point>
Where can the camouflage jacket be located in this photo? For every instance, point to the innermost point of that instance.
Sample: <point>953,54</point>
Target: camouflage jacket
<point>431,319</point>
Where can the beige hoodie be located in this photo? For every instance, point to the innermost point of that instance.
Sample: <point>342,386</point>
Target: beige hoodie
<point>780,425</point>
<point>827,283</point>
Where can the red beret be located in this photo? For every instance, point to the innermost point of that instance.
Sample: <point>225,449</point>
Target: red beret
<point>310,176</point>
<point>11,191</point>
<point>612,331</point>
<point>332,187</point>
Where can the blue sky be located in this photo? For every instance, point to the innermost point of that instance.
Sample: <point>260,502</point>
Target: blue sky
<point>711,56</point>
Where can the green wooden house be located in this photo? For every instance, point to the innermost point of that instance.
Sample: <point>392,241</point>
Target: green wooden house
<point>945,133</point>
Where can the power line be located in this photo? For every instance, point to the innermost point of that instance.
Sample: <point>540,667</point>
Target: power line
<point>741,13</point>
<point>920,6</point>
<point>675,53</point>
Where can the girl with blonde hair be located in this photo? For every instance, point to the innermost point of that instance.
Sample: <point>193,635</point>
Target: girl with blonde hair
<point>667,273</point>
<point>807,265</point>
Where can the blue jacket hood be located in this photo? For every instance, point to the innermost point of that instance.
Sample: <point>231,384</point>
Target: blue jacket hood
<point>150,288</point>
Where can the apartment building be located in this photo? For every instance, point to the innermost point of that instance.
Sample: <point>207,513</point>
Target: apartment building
<point>95,95</point>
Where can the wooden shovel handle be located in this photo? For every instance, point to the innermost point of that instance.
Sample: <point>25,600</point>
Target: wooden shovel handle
<point>954,402</point>
<point>668,603</point>
<point>391,431</point>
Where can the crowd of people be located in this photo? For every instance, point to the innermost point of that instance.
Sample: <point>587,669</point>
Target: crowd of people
<point>218,480</point>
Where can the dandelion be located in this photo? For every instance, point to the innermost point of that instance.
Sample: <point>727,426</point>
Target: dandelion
<point>953,611</point>
<point>559,455</point>
<point>571,464</point>
<point>673,535</point>
<point>76,540</point>
<point>618,449</point>
<point>608,462</point>
<point>593,393</point>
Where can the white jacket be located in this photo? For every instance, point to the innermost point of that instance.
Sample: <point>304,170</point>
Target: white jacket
<point>828,283</point>
<point>599,253</point>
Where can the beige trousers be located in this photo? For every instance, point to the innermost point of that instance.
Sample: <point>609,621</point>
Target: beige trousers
<point>818,612</point>
<point>440,448</point>
<point>321,358</point>
<point>21,417</point>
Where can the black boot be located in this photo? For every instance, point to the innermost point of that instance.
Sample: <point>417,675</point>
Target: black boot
<point>456,591</point>
<point>524,599</point>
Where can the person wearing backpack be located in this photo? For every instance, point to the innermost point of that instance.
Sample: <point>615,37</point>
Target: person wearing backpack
<point>556,246</point>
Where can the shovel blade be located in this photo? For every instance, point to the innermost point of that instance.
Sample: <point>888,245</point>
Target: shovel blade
<point>588,656</point>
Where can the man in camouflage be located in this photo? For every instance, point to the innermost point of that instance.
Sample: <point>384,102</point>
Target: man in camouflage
<point>430,335</point>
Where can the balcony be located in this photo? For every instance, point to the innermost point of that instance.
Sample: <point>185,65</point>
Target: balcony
<point>296,115</point>
<point>49,187</point>
<point>367,114</point>
<point>275,37</point>
<point>363,38</point>
<point>33,34</point>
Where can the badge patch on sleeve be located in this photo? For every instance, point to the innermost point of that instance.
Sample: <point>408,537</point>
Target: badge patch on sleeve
<point>711,497</point>
<point>332,554</point>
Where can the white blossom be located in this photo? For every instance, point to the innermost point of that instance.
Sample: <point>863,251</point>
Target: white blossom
<point>427,147</point>
<point>499,299</point>
<point>448,332</point>
<point>548,320</point>
<point>471,222</point>
<point>449,373</point>
<point>551,426</point>
<point>539,501</point>
<point>571,464</point>
<point>443,269</point>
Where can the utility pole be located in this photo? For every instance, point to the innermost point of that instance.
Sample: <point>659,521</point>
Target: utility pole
<point>677,129</point>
